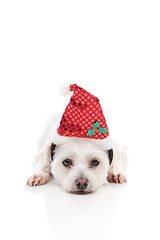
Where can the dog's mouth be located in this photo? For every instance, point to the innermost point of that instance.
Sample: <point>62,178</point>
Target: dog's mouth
<point>80,192</point>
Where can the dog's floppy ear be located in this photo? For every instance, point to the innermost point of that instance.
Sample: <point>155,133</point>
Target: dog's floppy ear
<point>110,155</point>
<point>53,146</point>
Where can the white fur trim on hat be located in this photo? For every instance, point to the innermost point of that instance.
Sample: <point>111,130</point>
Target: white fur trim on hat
<point>65,89</point>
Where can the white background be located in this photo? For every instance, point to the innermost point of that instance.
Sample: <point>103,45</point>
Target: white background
<point>112,49</point>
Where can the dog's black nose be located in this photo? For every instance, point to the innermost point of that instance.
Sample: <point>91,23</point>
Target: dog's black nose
<point>81,183</point>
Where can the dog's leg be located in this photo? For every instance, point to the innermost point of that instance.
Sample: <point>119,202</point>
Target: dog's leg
<point>119,178</point>
<point>42,167</point>
<point>116,172</point>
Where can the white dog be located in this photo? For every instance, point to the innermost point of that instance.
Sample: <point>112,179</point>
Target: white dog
<point>79,165</point>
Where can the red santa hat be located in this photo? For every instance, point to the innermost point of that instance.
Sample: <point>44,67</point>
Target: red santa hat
<point>83,117</point>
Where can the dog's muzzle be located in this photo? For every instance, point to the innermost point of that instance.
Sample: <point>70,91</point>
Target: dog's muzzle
<point>81,183</point>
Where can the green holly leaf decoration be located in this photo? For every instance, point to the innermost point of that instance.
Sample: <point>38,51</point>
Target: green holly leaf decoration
<point>90,132</point>
<point>102,130</point>
<point>96,125</point>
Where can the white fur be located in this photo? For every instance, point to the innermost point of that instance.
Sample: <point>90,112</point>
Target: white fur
<point>65,89</point>
<point>81,151</point>
<point>81,155</point>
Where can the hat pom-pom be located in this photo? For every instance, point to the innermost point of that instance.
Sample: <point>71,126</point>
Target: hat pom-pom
<point>65,89</point>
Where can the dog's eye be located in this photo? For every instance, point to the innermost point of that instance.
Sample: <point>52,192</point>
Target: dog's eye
<point>94,163</point>
<point>67,163</point>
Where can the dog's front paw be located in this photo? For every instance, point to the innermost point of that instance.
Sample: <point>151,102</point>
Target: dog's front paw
<point>38,179</point>
<point>120,178</point>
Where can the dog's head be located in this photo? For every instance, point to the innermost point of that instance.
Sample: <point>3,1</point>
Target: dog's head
<point>80,167</point>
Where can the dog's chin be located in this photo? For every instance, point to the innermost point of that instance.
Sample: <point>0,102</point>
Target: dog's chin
<point>80,192</point>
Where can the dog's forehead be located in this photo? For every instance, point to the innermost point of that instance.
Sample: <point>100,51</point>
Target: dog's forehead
<point>80,150</point>
<point>77,147</point>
